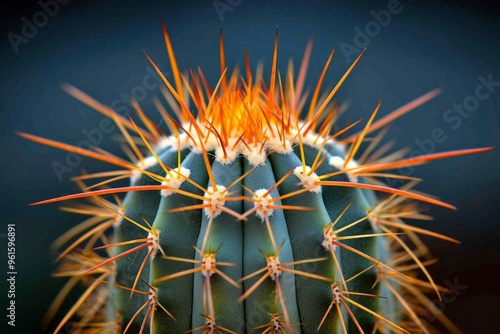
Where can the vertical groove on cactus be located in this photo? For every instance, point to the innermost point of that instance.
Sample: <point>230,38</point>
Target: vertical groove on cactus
<point>253,215</point>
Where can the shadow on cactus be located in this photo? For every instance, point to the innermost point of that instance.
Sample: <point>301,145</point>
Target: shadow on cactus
<point>256,213</point>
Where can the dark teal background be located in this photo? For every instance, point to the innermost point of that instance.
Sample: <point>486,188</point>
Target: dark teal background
<point>98,48</point>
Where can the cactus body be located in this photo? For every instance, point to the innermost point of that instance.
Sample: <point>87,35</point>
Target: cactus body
<point>295,233</point>
<point>252,217</point>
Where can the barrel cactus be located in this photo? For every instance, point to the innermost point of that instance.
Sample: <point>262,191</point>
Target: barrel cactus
<point>254,212</point>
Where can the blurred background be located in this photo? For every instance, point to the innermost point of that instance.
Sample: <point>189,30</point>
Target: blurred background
<point>98,47</point>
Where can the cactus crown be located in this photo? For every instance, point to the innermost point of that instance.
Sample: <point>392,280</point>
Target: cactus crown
<point>250,216</point>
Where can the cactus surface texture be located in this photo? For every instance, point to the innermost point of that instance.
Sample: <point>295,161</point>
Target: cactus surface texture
<point>252,211</point>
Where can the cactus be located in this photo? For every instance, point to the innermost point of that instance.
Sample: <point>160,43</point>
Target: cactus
<point>251,215</point>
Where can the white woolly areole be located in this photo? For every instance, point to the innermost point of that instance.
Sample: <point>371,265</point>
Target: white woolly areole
<point>153,296</point>
<point>336,294</point>
<point>210,143</point>
<point>329,239</point>
<point>215,199</point>
<point>273,268</point>
<point>211,325</point>
<point>179,142</point>
<point>338,163</point>
<point>311,138</point>
<point>256,157</point>
<point>276,145</point>
<point>208,264</point>
<point>164,143</point>
<point>225,158</point>
<point>184,141</point>
<point>308,179</point>
<point>373,223</point>
<point>143,164</point>
<point>118,218</point>
<point>276,325</point>
<point>262,204</point>
<point>154,237</point>
<point>174,181</point>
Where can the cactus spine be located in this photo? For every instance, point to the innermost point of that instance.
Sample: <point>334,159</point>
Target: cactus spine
<point>251,216</point>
